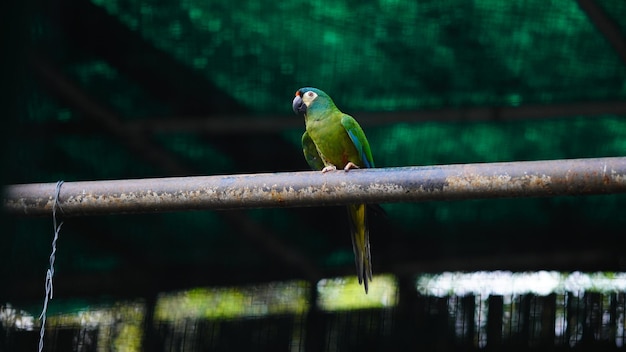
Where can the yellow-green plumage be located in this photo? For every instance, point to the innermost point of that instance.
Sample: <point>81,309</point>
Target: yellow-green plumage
<point>334,139</point>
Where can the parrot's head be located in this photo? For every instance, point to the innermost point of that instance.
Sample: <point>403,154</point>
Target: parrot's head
<point>308,99</point>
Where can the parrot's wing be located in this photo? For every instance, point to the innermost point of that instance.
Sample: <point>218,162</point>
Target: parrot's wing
<point>310,153</point>
<point>358,139</point>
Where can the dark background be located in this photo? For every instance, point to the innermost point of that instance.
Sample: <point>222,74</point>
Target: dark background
<point>99,89</point>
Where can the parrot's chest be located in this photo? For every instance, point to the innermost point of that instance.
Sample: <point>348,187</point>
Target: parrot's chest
<point>332,142</point>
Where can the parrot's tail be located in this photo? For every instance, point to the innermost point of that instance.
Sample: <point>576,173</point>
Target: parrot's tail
<point>357,216</point>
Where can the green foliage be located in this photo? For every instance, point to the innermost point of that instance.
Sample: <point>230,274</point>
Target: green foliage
<point>432,143</point>
<point>428,53</point>
<point>616,10</point>
<point>345,293</point>
<point>232,302</point>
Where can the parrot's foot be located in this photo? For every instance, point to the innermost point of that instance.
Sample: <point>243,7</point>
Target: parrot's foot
<point>329,168</point>
<point>350,165</point>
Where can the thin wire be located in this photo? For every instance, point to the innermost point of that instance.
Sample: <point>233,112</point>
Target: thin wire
<point>50,271</point>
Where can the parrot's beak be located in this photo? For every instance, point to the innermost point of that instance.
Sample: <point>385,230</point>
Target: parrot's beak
<point>299,107</point>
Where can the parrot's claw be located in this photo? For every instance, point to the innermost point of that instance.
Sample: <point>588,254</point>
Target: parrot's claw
<point>329,168</point>
<point>350,165</point>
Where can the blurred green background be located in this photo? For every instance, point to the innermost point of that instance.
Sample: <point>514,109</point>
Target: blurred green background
<point>108,89</point>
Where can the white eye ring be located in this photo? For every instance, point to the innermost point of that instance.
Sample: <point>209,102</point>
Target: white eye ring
<point>308,97</point>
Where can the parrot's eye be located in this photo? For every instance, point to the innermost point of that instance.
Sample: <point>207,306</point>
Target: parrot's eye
<point>308,96</point>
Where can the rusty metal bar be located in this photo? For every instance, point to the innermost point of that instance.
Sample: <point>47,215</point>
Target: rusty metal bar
<point>300,189</point>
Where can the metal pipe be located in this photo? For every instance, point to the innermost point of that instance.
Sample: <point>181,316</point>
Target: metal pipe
<point>301,189</point>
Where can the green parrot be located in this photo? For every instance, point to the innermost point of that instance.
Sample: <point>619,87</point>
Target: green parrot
<point>333,139</point>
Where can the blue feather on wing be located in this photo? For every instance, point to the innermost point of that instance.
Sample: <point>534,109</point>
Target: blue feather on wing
<point>359,148</point>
